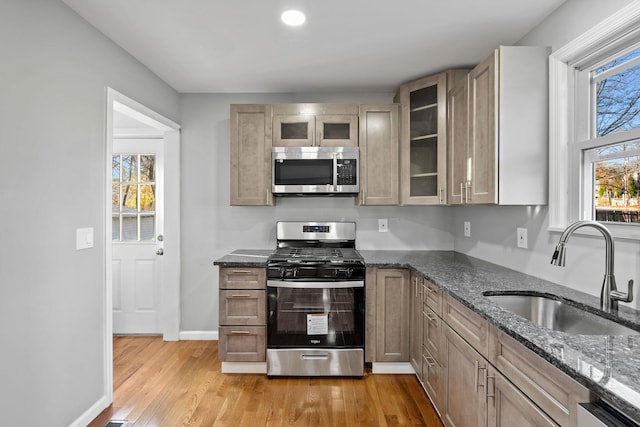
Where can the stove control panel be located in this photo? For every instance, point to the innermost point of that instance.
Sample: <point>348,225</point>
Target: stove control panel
<point>315,229</point>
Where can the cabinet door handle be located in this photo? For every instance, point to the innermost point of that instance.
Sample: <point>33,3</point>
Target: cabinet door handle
<point>240,332</point>
<point>440,195</point>
<point>487,395</point>
<point>466,191</point>
<point>478,369</point>
<point>461,193</point>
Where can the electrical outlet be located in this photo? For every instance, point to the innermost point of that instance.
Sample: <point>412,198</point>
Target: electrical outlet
<point>383,225</point>
<point>521,234</point>
<point>467,229</point>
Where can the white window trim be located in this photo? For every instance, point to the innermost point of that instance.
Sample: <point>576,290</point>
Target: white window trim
<point>564,163</point>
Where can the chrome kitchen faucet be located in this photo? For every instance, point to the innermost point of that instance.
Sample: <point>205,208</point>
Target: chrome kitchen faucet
<point>609,295</point>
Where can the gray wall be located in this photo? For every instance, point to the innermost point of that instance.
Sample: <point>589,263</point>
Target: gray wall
<point>212,228</point>
<point>54,70</point>
<point>493,229</point>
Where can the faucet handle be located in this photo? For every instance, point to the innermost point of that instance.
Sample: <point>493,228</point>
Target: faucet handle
<point>619,296</point>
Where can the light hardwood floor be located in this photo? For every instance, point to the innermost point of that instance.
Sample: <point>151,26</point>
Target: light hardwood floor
<point>171,384</point>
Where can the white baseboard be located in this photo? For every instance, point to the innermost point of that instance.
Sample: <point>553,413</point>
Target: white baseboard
<point>91,413</point>
<point>199,335</point>
<point>244,367</point>
<point>392,368</point>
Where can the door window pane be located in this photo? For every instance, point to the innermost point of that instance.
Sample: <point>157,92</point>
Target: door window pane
<point>129,228</point>
<point>133,197</point>
<point>147,198</point>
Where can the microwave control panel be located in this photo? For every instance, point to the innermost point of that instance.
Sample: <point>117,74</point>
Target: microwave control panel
<point>347,173</point>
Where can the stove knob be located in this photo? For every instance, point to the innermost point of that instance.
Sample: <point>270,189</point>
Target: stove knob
<point>349,272</point>
<point>283,272</point>
<point>295,272</point>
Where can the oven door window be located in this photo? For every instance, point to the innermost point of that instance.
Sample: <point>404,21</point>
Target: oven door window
<point>328,317</point>
<point>303,172</point>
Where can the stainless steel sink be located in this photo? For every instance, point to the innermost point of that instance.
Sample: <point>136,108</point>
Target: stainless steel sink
<point>558,315</point>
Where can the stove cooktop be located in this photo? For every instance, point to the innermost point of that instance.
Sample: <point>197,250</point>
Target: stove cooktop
<point>316,255</point>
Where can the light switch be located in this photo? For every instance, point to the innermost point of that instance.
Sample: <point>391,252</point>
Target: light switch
<point>467,229</point>
<point>84,238</point>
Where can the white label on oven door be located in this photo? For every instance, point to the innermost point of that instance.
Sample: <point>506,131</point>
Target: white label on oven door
<point>317,324</point>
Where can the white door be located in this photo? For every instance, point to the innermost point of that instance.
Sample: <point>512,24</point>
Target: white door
<point>137,235</point>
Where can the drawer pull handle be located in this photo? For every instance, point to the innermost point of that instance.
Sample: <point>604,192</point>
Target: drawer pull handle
<point>315,357</point>
<point>240,296</point>
<point>242,271</point>
<point>431,362</point>
<point>240,332</point>
<point>430,316</point>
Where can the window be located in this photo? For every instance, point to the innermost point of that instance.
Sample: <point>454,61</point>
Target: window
<point>612,162</point>
<point>133,197</point>
<point>594,126</point>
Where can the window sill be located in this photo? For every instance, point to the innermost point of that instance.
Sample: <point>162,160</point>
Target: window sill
<point>618,231</point>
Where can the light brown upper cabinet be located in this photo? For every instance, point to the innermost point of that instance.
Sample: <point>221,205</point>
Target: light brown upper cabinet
<point>329,125</point>
<point>498,130</point>
<point>250,155</point>
<point>379,154</point>
<point>423,138</point>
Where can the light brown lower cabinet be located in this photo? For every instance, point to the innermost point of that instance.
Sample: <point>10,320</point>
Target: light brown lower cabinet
<point>392,315</point>
<point>478,376</point>
<point>242,314</point>
<point>464,398</point>
<point>242,343</point>
<point>507,406</point>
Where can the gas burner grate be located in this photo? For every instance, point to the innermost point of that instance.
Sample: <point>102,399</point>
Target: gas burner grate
<point>317,253</point>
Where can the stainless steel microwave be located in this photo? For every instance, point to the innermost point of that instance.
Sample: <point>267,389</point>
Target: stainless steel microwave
<point>315,170</point>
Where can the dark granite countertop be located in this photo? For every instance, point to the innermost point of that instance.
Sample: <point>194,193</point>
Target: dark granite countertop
<point>245,258</point>
<point>607,365</point>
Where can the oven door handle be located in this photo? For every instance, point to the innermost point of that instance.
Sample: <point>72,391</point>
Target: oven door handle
<point>315,285</point>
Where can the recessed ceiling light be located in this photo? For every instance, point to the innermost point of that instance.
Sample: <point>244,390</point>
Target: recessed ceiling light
<point>294,18</point>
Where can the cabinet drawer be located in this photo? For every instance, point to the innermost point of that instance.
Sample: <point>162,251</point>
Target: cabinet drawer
<point>469,325</point>
<point>432,379</point>
<point>242,344</point>
<point>242,307</point>
<point>432,332</point>
<point>552,390</point>
<point>433,297</point>
<point>243,278</point>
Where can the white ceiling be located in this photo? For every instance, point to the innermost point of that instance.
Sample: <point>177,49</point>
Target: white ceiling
<point>346,45</point>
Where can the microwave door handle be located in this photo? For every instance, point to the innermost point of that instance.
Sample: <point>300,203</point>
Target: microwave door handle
<point>335,172</point>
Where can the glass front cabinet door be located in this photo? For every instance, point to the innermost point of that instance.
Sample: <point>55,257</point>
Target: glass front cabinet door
<point>423,139</point>
<point>318,125</point>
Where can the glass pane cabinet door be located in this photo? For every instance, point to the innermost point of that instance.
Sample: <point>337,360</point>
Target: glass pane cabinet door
<point>423,141</point>
<point>337,130</point>
<point>293,131</point>
<point>322,130</point>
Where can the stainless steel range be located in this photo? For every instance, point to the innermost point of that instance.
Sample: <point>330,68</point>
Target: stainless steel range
<point>315,301</point>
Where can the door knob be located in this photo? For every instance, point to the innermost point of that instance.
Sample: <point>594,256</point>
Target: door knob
<point>160,251</point>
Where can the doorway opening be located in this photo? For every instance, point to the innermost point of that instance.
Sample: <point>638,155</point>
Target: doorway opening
<point>142,225</point>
